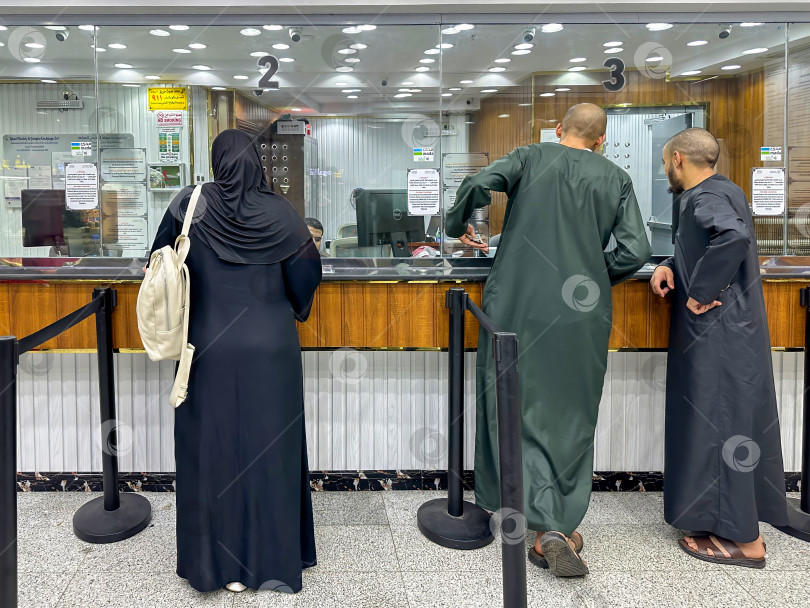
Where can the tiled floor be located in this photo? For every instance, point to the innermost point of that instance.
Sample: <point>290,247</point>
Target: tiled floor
<point>371,553</point>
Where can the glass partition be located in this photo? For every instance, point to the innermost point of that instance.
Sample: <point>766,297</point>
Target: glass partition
<point>369,129</point>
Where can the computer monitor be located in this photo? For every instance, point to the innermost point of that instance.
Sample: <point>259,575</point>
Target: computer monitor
<point>45,219</point>
<point>382,219</point>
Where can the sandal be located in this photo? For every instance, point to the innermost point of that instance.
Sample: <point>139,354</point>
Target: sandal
<point>541,562</point>
<point>725,552</point>
<point>562,559</point>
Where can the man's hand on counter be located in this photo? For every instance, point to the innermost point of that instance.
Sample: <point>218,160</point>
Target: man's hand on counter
<point>473,240</point>
<point>662,281</point>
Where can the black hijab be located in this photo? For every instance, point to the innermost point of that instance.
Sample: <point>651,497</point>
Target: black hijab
<point>240,218</point>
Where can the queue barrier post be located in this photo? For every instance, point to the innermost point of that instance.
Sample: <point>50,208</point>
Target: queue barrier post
<point>8,471</point>
<point>453,522</point>
<point>798,512</point>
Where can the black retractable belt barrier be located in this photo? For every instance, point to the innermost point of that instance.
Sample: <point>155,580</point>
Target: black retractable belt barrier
<point>463,525</point>
<point>453,522</point>
<point>108,519</point>
<point>799,510</point>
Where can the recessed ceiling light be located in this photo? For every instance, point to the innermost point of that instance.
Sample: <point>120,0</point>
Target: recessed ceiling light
<point>217,88</point>
<point>444,45</point>
<point>503,115</point>
<point>658,27</point>
<point>613,43</point>
<point>351,96</point>
<point>454,89</point>
<point>423,68</point>
<point>86,28</point>
<point>697,43</point>
<point>366,28</point>
<point>351,30</point>
<point>465,81</point>
<point>344,51</point>
<point>730,67</point>
<point>117,45</point>
<point>281,46</point>
<point>159,33</point>
<point>259,54</point>
<point>427,60</point>
<point>197,45</point>
<point>523,105</point>
<point>349,90</point>
<point>358,45</point>
<point>352,60</point>
<point>152,77</point>
<point>56,28</point>
<point>521,52</point>
<point>562,90</point>
<point>34,45</point>
<point>273,28</point>
<point>503,60</point>
<point>550,28</point>
<point>489,90</point>
<point>99,49</point>
<point>295,109</point>
<point>469,122</point>
<point>30,59</point>
<point>656,58</point>
<point>577,68</point>
<point>134,86</point>
<point>523,45</point>
<point>203,68</point>
<point>178,28</point>
<point>690,73</point>
<point>2,44</point>
<point>407,82</point>
<point>290,59</point>
<point>432,52</point>
<point>755,51</point>
<point>496,69</point>
<point>250,31</point>
<point>546,94</point>
<point>123,66</point>
<point>749,24</point>
<point>464,26</point>
<point>578,60</point>
<point>240,77</point>
<point>341,84</point>
<point>401,95</point>
<point>180,51</point>
<point>450,30</point>
<point>615,49</point>
<point>344,68</point>
<point>48,81</point>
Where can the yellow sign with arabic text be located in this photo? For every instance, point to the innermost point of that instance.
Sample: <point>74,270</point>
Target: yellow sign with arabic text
<point>162,98</point>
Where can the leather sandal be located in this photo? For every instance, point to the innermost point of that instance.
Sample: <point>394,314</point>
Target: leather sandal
<point>724,550</point>
<point>562,559</point>
<point>541,562</point>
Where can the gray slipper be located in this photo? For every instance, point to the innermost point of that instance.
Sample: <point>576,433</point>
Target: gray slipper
<point>541,562</point>
<point>562,559</point>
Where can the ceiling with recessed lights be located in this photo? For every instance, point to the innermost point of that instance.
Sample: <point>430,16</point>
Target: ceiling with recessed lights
<point>369,69</point>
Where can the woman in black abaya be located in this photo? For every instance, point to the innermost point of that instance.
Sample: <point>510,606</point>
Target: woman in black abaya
<point>244,512</point>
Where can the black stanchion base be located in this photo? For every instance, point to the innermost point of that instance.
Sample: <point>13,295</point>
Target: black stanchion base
<point>798,521</point>
<point>93,524</point>
<point>470,531</point>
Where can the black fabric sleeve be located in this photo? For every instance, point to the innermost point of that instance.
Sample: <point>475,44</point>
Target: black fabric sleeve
<point>302,275</point>
<point>728,245</point>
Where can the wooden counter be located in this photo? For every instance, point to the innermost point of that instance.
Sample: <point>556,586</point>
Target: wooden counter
<point>375,315</point>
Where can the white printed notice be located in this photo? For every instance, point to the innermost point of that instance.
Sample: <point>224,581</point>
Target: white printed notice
<point>81,186</point>
<point>424,192</point>
<point>126,232</point>
<point>768,191</point>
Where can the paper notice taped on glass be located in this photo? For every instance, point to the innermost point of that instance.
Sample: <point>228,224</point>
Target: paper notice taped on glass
<point>81,186</point>
<point>768,191</point>
<point>424,192</point>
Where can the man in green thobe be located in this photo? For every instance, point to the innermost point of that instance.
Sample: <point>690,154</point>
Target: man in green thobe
<point>550,284</point>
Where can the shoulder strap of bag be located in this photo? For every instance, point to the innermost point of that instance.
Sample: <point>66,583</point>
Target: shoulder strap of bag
<point>183,244</point>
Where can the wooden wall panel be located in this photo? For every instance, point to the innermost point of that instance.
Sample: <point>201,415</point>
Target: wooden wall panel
<point>380,315</point>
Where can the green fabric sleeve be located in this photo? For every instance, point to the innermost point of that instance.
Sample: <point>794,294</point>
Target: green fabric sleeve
<point>632,247</point>
<point>502,175</point>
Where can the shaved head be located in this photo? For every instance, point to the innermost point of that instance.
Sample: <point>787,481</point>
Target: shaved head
<point>698,146</point>
<point>585,120</point>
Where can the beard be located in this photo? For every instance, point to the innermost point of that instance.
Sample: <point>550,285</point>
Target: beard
<point>675,184</point>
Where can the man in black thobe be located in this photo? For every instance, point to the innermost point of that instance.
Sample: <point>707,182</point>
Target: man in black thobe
<point>723,456</point>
